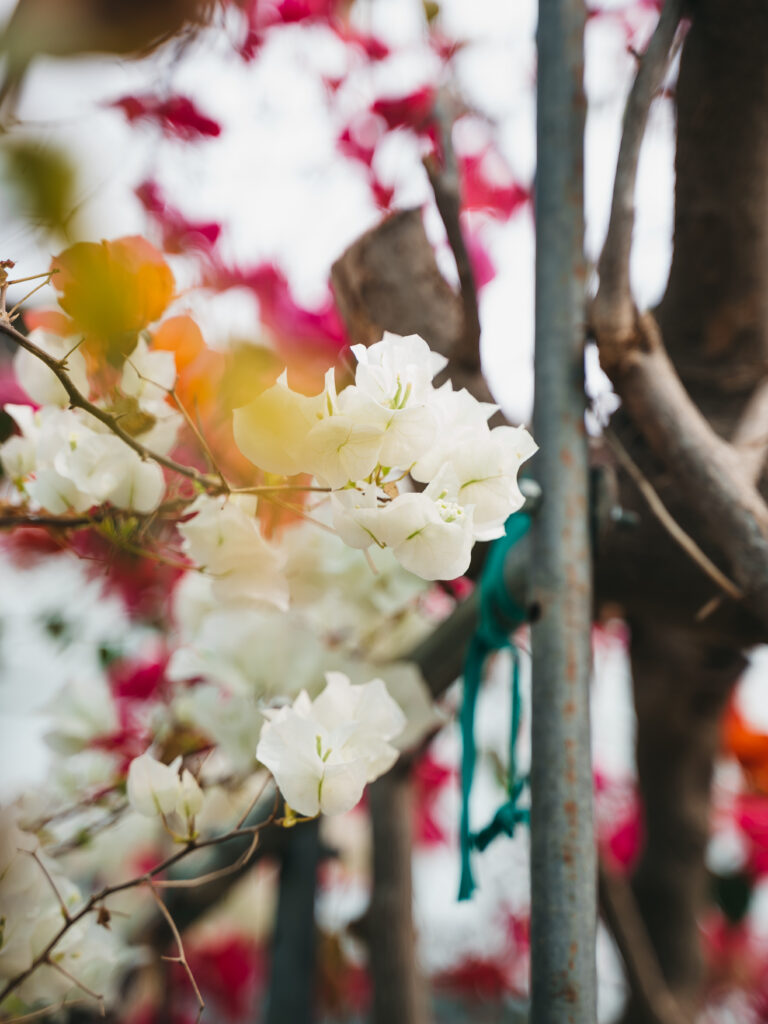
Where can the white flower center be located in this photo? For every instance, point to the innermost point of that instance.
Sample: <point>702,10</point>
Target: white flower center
<point>450,511</point>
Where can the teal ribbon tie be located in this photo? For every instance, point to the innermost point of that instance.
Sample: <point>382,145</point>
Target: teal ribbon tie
<point>498,616</point>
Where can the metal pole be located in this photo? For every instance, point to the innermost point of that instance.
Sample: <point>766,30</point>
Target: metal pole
<point>563,861</point>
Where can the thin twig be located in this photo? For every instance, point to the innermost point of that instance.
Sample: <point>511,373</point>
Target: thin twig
<point>252,804</point>
<point>171,393</point>
<point>200,437</point>
<point>47,274</point>
<point>613,308</point>
<point>97,899</point>
<point>267,489</point>
<point>78,401</point>
<point>669,523</point>
<point>59,898</point>
<point>446,187</point>
<point>299,511</point>
<point>76,981</point>
<point>644,974</point>
<point>210,876</point>
<point>11,312</point>
<point>45,1012</point>
<point>181,958</point>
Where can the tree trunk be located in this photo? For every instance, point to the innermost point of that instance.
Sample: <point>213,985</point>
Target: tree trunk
<point>681,683</point>
<point>714,321</point>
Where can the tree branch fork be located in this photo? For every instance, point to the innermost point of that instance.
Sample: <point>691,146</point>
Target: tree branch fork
<point>717,479</point>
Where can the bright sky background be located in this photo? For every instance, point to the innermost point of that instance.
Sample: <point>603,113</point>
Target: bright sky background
<point>276,180</point>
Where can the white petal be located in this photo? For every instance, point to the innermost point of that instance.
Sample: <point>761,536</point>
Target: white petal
<point>342,786</point>
<point>343,450</point>
<point>272,430</point>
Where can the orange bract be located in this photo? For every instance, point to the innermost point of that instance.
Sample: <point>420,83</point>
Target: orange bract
<point>748,746</point>
<point>182,336</point>
<point>113,289</point>
<point>49,320</point>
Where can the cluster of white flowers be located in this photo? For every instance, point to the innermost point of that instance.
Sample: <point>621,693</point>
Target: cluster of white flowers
<point>392,421</point>
<point>65,459</point>
<point>31,914</point>
<point>323,752</point>
<point>242,656</point>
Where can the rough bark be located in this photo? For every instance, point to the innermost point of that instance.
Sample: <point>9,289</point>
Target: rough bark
<point>388,280</point>
<point>714,322</point>
<point>681,683</point>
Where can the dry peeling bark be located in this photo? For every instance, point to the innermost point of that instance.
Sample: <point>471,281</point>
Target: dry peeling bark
<point>388,280</point>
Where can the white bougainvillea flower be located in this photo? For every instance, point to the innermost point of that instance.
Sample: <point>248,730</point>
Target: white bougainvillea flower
<point>71,465</point>
<point>18,458</point>
<point>396,371</point>
<point>53,492</point>
<point>148,375</point>
<point>272,430</point>
<point>39,382</point>
<point>461,419</point>
<point>369,709</point>
<point>156,788</point>
<point>248,649</point>
<point>407,428</point>
<point>190,800</point>
<point>323,752</point>
<point>153,787</point>
<point>103,467</point>
<point>356,512</point>
<point>224,539</point>
<point>430,536</point>
<point>486,469</point>
<point>138,484</point>
<point>31,913</point>
<point>82,710</point>
<point>342,449</point>
<point>345,442</point>
<point>44,433</point>
<point>19,452</point>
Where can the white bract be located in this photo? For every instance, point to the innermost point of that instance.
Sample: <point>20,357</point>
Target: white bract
<point>224,539</point>
<point>63,462</point>
<point>485,469</point>
<point>272,430</point>
<point>148,375</point>
<point>31,914</point>
<point>82,710</point>
<point>396,370</point>
<point>323,752</point>
<point>156,788</point>
<point>41,383</point>
<point>430,533</point>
